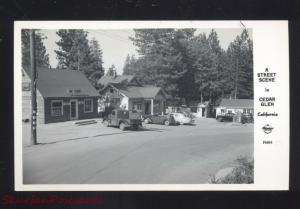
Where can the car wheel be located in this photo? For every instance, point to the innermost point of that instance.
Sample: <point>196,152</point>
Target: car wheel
<point>122,126</point>
<point>135,127</point>
<point>147,121</point>
<point>167,123</point>
<point>105,123</point>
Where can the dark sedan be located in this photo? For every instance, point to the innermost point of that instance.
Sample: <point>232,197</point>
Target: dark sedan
<point>226,117</point>
<point>159,119</point>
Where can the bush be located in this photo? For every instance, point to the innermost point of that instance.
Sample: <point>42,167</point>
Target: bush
<point>243,173</point>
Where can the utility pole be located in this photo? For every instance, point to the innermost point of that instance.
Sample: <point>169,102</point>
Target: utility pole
<point>33,87</point>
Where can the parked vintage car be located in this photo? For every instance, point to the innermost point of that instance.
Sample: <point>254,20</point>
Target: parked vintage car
<point>159,119</point>
<point>228,117</point>
<point>123,119</point>
<point>181,118</point>
<point>247,118</point>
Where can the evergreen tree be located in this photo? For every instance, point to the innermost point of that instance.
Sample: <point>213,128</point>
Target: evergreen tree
<point>77,53</point>
<point>219,70</point>
<point>224,75</point>
<point>149,41</point>
<point>214,42</point>
<point>163,60</point>
<point>96,70</point>
<point>74,51</point>
<point>184,74</point>
<point>205,64</point>
<point>42,57</point>
<point>240,55</point>
<point>153,47</point>
<point>112,71</point>
<point>130,66</point>
<point>192,67</point>
<point>126,68</point>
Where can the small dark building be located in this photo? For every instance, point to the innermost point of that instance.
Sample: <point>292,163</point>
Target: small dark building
<point>62,95</point>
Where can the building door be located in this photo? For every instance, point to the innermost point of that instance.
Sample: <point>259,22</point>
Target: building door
<point>73,110</point>
<point>203,112</point>
<point>147,108</point>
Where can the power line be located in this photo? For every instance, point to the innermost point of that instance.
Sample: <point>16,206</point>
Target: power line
<point>118,38</point>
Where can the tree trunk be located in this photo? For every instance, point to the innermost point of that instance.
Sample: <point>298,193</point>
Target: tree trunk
<point>236,77</point>
<point>201,97</point>
<point>78,60</point>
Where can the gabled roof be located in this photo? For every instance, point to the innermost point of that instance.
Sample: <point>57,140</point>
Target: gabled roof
<point>135,92</point>
<point>62,83</point>
<point>105,80</point>
<point>237,103</point>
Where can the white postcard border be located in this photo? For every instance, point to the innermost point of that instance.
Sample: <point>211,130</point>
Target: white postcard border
<point>270,50</point>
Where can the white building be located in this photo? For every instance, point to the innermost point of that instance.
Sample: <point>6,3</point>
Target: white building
<point>235,106</point>
<point>202,110</point>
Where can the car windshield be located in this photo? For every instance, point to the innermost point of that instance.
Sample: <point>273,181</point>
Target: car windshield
<point>186,114</point>
<point>123,114</point>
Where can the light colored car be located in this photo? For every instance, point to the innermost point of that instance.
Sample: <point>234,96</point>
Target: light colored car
<point>182,119</point>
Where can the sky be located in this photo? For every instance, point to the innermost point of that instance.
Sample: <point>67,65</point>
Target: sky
<point>116,45</point>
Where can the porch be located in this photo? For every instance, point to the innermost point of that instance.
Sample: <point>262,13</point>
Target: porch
<point>147,106</point>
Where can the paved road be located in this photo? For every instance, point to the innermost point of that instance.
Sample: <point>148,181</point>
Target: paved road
<point>159,155</point>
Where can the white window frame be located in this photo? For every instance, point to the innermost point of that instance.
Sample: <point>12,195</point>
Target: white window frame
<point>62,108</point>
<point>137,104</point>
<point>85,105</point>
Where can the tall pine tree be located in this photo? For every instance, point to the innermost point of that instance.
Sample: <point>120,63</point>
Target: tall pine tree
<point>74,51</point>
<point>130,65</point>
<point>205,64</point>
<point>163,59</point>
<point>42,57</point>
<point>192,67</point>
<point>217,72</point>
<point>112,71</point>
<point>77,53</point>
<point>95,70</point>
<point>240,55</point>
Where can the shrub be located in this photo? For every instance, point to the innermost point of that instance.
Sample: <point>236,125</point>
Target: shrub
<point>243,173</point>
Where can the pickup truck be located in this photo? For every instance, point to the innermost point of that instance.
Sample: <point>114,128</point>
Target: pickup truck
<point>123,119</point>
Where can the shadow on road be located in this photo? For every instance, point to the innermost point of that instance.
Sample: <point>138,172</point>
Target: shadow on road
<point>109,134</point>
<point>190,124</point>
<point>151,129</point>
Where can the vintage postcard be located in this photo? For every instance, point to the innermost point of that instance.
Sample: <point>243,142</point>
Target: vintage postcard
<point>151,105</point>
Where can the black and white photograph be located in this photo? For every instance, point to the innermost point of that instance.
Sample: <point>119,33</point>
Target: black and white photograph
<point>140,105</point>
